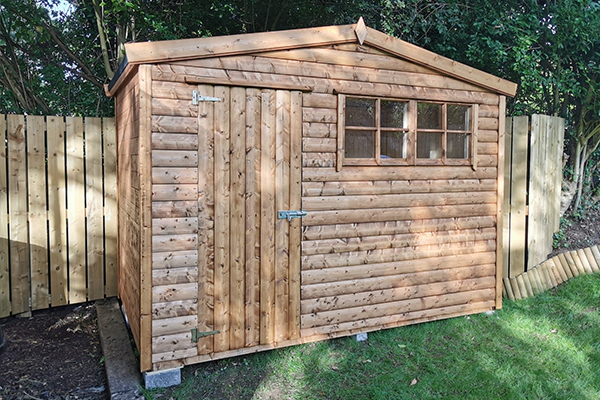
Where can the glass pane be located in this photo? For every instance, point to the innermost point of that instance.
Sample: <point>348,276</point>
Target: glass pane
<point>393,144</point>
<point>394,114</point>
<point>459,117</point>
<point>429,116</point>
<point>360,144</point>
<point>458,145</point>
<point>360,112</point>
<point>429,145</point>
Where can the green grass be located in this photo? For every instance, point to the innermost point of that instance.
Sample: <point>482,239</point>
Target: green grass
<point>545,347</point>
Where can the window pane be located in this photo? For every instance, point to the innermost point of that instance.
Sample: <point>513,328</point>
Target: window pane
<point>429,116</point>
<point>360,144</point>
<point>360,112</point>
<point>394,114</point>
<point>429,145</point>
<point>458,145</point>
<point>459,117</point>
<point>393,144</point>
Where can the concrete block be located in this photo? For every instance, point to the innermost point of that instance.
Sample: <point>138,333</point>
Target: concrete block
<point>162,379</point>
<point>361,337</point>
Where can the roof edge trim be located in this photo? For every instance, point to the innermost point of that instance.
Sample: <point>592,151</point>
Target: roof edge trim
<point>184,49</point>
<point>439,63</point>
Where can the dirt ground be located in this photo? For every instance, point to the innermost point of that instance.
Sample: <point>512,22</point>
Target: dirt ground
<point>578,232</point>
<point>54,354</point>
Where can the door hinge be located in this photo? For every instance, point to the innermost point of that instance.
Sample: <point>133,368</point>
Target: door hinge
<point>291,214</point>
<point>197,98</point>
<point>197,335</point>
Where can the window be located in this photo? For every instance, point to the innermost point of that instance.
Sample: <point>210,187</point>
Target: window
<point>444,133</point>
<point>376,131</point>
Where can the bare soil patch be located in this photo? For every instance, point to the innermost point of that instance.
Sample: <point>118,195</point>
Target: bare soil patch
<point>578,232</point>
<point>54,354</point>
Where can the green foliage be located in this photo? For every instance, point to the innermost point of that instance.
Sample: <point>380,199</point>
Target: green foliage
<point>560,238</point>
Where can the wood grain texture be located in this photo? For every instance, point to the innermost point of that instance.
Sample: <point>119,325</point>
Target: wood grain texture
<point>94,212</point>
<point>253,216</point>
<point>38,232</point>
<point>5,306</point>
<point>222,219</point>
<point>206,217</point>
<point>267,239</point>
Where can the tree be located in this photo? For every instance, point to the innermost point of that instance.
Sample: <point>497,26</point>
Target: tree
<point>550,48</point>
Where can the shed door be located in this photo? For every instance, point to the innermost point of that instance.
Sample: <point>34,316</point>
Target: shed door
<point>249,260</point>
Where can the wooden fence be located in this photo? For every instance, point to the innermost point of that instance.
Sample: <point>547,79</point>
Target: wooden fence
<point>58,211</point>
<point>532,186</point>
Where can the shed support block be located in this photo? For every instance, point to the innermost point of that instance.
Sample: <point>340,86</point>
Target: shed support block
<point>361,337</point>
<point>162,379</point>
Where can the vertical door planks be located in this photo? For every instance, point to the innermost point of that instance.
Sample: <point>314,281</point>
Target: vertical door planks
<point>222,217</point>
<point>38,234</point>
<point>282,202</point>
<point>253,213</point>
<point>206,208</point>
<point>238,208</point>
<point>206,205</point>
<point>267,239</point>
<point>295,204</point>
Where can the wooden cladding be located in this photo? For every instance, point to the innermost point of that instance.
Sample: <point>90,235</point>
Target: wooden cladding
<point>380,246</point>
<point>62,221</point>
<point>227,263</point>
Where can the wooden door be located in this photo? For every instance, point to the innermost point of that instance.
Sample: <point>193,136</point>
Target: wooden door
<point>248,260</point>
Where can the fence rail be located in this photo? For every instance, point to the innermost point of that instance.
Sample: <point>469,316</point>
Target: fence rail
<point>532,186</point>
<point>58,213</point>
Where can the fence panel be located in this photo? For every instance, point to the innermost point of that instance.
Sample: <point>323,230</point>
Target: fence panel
<point>532,202</point>
<point>545,168</point>
<point>57,211</point>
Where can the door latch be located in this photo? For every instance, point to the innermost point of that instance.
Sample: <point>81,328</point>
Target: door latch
<point>291,214</point>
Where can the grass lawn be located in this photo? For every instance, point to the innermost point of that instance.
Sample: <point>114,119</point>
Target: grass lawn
<point>545,347</point>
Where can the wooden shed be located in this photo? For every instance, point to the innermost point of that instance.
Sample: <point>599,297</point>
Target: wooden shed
<point>287,187</point>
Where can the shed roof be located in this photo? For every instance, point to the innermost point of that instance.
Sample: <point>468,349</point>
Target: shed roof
<point>219,46</point>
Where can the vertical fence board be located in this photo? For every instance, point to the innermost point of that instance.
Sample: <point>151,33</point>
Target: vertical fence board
<point>536,201</point>
<point>38,233</point>
<point>5,307</point>
<point>43,212</point>
<point>57,211</point>
<point>206,204</point>
<point>253,102</point>
<point>222,219</point>
<point>93,201</point>
<point>506,211</point>
<point>76,211</point>
<point>17,203</point>
<point>238,211</point>
<point>518,192</point>
<point>110,205</point>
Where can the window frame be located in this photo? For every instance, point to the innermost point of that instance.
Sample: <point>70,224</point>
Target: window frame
<point>411,135</point>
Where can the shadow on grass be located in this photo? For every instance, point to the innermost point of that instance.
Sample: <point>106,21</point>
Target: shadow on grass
<point>546,347</point>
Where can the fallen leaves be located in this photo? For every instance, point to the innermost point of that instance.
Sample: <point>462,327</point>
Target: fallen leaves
<point>414,382</point>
